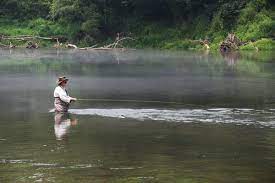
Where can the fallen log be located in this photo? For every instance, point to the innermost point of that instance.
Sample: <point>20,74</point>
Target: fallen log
<point>90,47</point>
<point>26,37</point>
<point>32,44</point>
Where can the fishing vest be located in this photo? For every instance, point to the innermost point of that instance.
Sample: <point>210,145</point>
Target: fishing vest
<point>61,106</point>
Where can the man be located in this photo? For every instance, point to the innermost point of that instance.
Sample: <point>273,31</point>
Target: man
<point>61,98</point>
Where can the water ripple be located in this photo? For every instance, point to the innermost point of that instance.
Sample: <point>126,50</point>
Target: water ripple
<point>263,117</point>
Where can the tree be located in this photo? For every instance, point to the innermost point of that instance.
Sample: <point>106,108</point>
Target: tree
<point>82,14</point>
<point>25,9</point>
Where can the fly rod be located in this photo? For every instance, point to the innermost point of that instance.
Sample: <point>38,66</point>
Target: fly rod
<point>137,101</point>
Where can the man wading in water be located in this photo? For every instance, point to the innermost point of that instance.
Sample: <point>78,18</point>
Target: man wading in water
<point>61,98</point>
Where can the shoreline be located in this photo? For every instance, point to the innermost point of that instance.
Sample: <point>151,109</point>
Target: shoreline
<point>264,44</point>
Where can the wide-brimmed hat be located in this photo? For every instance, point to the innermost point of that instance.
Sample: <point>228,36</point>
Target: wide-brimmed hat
<point>61,79</point>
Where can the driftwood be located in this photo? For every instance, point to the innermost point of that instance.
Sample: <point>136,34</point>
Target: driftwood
<point>26,38</point>
<point>114,44</point>
<point>30,40</point>
<point>232,42</point>
<point>31,44</point>
<point>109,46</point>
<point>71,46</point>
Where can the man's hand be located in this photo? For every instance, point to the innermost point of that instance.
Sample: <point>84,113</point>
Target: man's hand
<point>73,99</point>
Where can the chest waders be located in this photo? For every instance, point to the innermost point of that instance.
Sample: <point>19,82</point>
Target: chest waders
<point>61,106</point>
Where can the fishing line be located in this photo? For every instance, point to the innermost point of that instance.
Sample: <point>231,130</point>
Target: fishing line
<point>137,101</point>
<point>152,102</point>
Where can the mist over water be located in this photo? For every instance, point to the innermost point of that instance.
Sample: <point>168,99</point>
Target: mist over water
<point>213,123</point>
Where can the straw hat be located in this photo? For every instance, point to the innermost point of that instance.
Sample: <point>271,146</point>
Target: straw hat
<point>61,79</point>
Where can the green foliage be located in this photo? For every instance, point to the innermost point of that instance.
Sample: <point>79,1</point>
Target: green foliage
<point>224,18</point>
<point>25,9</point>
<point>199,28</point>
<point>255,21</point>
<point>81,14</point>
<point>14,27</point>
<point>249,46</point>
<point>265,44</point>
<point>262,44</point>
<point>228,12</point>
<point>44,27</point>
<point>153,23</point>
<point>182,44</point>
<point>155,35</point>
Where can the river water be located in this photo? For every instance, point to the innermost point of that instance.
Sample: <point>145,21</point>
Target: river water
<point>212,118</point>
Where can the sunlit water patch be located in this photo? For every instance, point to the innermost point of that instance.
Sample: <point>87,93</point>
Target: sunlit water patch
<point>265,117</point>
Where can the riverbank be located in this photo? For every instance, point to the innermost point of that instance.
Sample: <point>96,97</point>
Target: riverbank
<point>251,21</point>
<point>153,36</point>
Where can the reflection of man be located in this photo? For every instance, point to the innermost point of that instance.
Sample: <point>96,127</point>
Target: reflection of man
<point>63,122</point>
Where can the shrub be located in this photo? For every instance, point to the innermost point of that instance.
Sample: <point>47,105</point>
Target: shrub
<point>47,28</point>
<point>255,21</point>
<point>262,44</point>
<point>265,44</point>
<point>249,46</point>
<point>182,44</point>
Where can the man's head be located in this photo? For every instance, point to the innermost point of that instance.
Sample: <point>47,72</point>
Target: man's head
<point>62,81</point>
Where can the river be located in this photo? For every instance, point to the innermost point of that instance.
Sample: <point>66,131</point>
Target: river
<point>167,116</point>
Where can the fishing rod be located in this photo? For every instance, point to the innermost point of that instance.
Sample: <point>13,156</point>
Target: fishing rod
<point>147,101</point>
<point>136,101</point>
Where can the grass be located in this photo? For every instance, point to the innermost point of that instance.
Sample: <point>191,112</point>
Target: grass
<point>13,28</point>
<point>36,27</point>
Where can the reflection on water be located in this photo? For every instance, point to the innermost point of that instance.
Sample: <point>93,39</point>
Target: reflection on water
<point>223,132</point>
<point>63,122</point>
<point>231,57</point>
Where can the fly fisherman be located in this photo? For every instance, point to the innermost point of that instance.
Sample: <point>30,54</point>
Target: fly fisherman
<point>62,99</point>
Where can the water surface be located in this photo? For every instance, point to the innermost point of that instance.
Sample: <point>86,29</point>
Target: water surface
<point>213,120</point>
